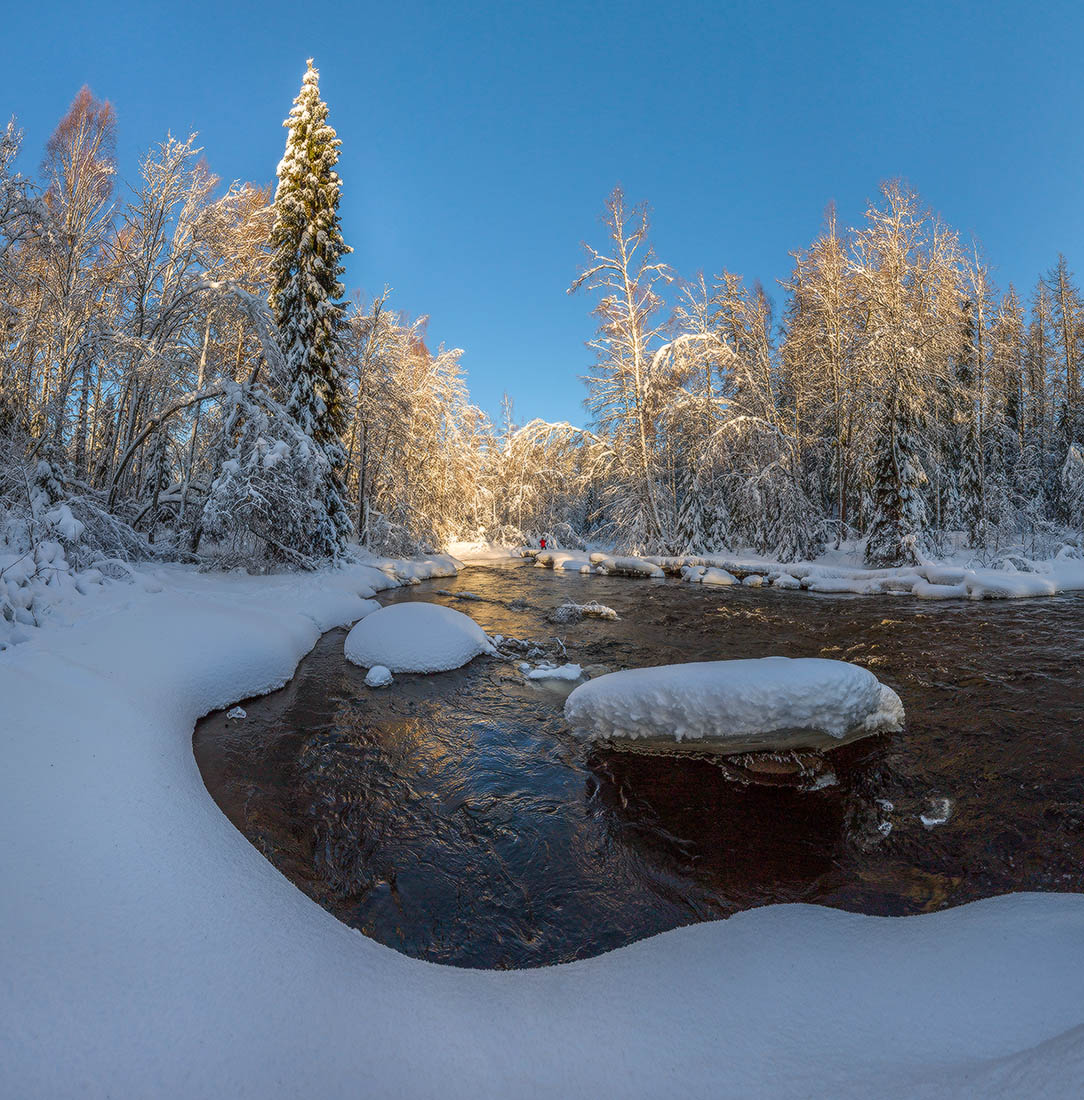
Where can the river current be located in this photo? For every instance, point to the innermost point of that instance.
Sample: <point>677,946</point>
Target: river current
<point>455,818</point>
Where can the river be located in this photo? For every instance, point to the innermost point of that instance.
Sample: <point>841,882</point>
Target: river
<point>456,819</point>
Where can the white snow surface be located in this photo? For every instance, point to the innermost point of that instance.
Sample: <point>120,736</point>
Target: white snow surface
<point>416,637</point>
<point>147,949</point>
<point>568,672</point>
<point>837,571</point>
<point>723,701</point>
<point>840,571</point>
<point>607,564</point>
<point>378,677</point>
<point>479,551</point>
<point>562,559</point>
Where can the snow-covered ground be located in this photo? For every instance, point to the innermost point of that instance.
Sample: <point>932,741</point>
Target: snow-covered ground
<point>841,571</point>
<point>147,949</point>
<point>474,551</point>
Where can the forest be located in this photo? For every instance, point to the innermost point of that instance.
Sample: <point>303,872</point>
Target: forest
<point>176,384</point>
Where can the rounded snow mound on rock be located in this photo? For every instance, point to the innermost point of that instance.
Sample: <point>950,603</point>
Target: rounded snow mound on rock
<point>416,637</point>
<point>768,704</point>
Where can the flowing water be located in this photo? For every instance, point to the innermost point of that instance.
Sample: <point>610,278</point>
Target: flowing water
<point>455,818</point>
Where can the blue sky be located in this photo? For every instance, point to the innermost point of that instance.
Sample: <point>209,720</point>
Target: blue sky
<point>479,141</point>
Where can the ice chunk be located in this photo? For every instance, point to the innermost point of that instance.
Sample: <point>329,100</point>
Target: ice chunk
<point>735,706</point>
<point>416,637</point>
<point>378,677</point>
<point>556,672</point>
<point>927,590</point>
<point>938,811</point>
<point>237,712</point>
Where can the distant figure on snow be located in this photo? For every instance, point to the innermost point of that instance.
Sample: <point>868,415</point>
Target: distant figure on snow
<point>542,544</point>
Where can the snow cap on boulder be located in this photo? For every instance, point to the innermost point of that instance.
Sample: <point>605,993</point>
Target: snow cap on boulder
<point>735,706</point>
<point>416,637</point>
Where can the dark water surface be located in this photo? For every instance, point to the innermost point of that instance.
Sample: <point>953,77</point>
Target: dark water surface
<point>454,817</point>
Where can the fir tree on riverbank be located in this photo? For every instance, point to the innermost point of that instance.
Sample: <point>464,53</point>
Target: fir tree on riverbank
<point>307,250</point>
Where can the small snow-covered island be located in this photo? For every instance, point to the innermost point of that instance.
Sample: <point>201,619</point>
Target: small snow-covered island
<point>697,714</point>
<point>730,707</point>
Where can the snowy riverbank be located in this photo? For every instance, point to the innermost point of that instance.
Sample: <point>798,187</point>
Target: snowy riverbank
<point>837,572</point>
<point>149,949</point>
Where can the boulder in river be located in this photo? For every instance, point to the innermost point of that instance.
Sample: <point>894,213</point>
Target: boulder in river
<point>773,704</point>
<point>416,637</point>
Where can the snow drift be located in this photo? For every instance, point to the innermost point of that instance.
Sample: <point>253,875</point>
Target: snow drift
<point>736,706</point>
<point>416,637</point>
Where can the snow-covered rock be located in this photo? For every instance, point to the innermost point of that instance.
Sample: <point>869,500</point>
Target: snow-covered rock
<point>416,637</point>
<point>712,575</point>
<point>572,612</point>
<point>378,677</point>
<point>562,559</point>
<point>568,672</point>
<point>626,566</point>
<point>735,706</point>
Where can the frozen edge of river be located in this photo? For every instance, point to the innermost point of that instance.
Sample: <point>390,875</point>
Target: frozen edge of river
<point>149,949</point>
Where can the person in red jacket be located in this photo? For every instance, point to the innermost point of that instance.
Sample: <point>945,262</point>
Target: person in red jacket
<point>542,543</point>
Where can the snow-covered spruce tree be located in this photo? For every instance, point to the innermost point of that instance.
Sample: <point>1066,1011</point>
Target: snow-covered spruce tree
<point>967,444</point>
<point>1071,484</point>
<point>307,249</point>
<point>897,535</point>
<point>717,531</point>
<point>266,505</point>
<point>690,525</point>
<point>795,528</point>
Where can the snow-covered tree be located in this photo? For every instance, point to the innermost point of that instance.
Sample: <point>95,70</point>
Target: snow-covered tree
<point>307,249</point>
<point>690,526</point>
<point>624,392</point>
<point>1071,484</point>
<point>897,535</point>
<point>267,504</point>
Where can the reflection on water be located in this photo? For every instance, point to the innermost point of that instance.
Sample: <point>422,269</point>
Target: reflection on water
<point>454,818</point>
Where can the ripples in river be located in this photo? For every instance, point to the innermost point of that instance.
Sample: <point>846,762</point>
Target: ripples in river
<point>455,818</point>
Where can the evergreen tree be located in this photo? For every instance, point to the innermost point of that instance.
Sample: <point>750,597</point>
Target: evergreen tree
<point>897,534</point>
<point>1071,483</point>
<point>307,249</point>
<point>969,447</point>
<point>718,533</point>
<point>689,529</point>
<point>795,528</point>
<point>1031,501</point>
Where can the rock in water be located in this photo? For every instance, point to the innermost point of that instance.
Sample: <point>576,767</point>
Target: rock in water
<point>771,704</point>
<point>416,637</point>
<point>378,677</point>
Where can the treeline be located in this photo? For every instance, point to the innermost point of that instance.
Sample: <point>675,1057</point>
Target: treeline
<point>148,395</point>
<point>180,376</point>
<point>899,398</point>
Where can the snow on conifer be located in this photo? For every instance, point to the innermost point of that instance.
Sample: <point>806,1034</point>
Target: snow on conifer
<point>690,526</point>
<point>1071,481</point>
<point>898,533</point>
<point>308,247</point>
